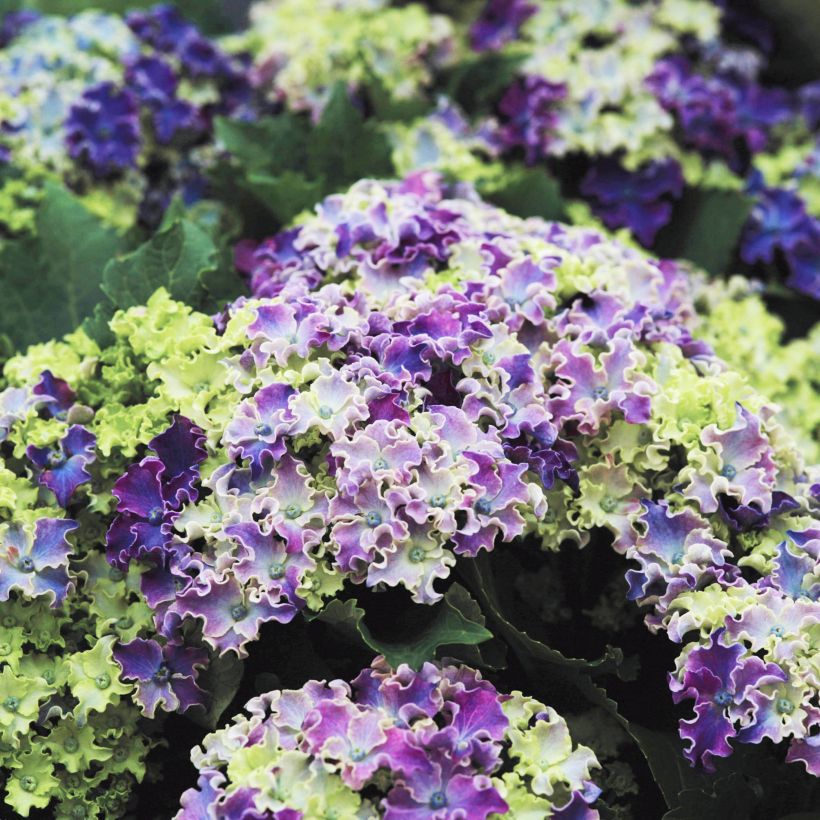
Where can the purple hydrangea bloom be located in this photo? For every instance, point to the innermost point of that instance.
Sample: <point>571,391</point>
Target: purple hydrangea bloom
<point>161,27</point>
<point>151,493</point>
<point>39,565</point>
<point>257,431</point>
<point>527,116</point>
<point>718,113</point>
<point>638,200</point>
<point>779,221</point>
<point>442,791</point>
<point>63,468</point>
<point>231,613</point>
<point>102,130</point>
<point>586,394</point>
<point>14,22</point>
<point>675,551</point>
<point>742,469</point>
<point>165,675</point>
<point>721,680</point>
<point>152,80</point>
<point>181,450</point>
<point>809,96</point>
<point>54,395</point>
<point>499,23</point>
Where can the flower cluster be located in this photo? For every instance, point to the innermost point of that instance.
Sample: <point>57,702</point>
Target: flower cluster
<point>631,103</point>
<point>607,411</point>
<point>71,736</point>
<point>363,43</point>
<point>114,106</point>
<point>418,377</point>
<point>437,743</point>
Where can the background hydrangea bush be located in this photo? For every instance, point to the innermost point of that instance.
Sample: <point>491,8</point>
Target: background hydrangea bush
<point>311,428</point>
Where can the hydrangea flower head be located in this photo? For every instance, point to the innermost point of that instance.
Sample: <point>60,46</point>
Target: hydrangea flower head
<point>329,745</point>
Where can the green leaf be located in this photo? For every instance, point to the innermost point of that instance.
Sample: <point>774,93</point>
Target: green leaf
<point>535,655</point>
<point>344,147</point>
<point>664,753</point>
<point>528,192</point>
<point>286,195</point>
<point>221,680</point>
<point>175,258</point>
<point>796,25</point>
<point>705,228</point>
<point>447,626</point>
<point>213,16</point>
<point>477,84</point>
<point>52,279</point>
<point>269,146</point>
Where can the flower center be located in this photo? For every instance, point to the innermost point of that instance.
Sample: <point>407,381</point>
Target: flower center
<point>723,697</point>
<point>125,622</point>
<point>380,463</point>
<point>238,612</point>
<point>26,564</point>
<point>262,429</point>
<point>784,706</point>
<point>162,674</point>
<point>488,358</point>
<point>102,681</point>
<point>677,558</point>
<point>357,754</point>
<point>438,500</point>
<point>155,517</point>
<point>438,800</point>
<point>373,519</point>
<point>28,783</point>
<point>777,631</point>
<point>608,504</point>
<point>71,744</point>
<point>325,412</point>
<point>276,570</point>
<point>416,555</point>
<point>600,393</point>
<point>56,459</point>
<point>293,511</point>
<point>483,506</point>
<point>11,703</point>
<point>728,471</point>
<point>115,574</point>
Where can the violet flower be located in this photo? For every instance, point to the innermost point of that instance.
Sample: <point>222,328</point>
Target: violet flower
<point>720,680</point>
<point>63,468</point>
<point>102,130</point>
<point>638,200</point>
<point>165,675</point>
<point>39,565</point>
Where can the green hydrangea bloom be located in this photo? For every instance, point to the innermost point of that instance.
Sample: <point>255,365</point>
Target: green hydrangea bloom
<point>93,676</point>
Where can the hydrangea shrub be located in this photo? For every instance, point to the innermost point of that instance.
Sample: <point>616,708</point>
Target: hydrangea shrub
<point>418,390</point>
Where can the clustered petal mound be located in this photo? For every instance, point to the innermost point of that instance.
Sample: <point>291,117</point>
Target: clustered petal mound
<point>437,743</point>
<point>417,378</point>
<point>632,105</point>
<point>115,107</point>
<point>397,48</point>
<point>574,396</point>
